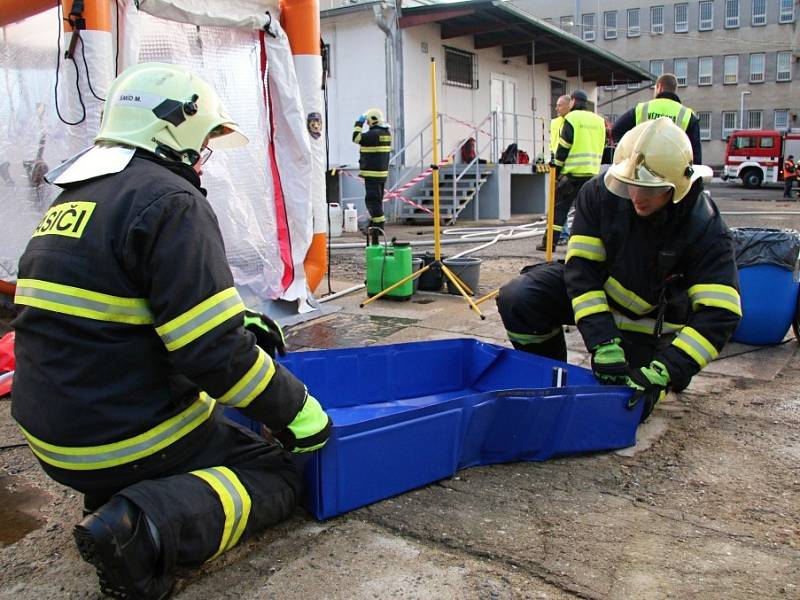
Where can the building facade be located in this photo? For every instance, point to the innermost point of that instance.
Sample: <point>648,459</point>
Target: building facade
<point>735,60</point>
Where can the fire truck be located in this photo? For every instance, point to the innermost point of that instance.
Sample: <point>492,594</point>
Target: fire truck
<point>756,155</point>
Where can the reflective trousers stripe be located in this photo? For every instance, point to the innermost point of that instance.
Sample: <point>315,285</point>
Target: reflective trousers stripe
<point>252,383</point>
<point>381,219</point>
<point>588,247</point>
<point>376,149</point>
<point>532,338</point>
<point>235,501</point>
<point>696,346</point>
<point>79,302</point>
<point>86,458</point>
<point>589,303</point>
<point>201,319</point>
<point>716,295</point>
<point>380,174</point>
<point>626,298</point>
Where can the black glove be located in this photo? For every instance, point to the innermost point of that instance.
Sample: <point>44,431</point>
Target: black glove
<point>650,385</point>
<point>608,363</point>
<point>269,335</point>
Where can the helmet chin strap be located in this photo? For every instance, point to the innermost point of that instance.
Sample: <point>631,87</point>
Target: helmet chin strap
<point>167,153</point>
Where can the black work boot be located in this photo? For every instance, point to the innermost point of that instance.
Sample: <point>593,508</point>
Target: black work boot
<point>117,541</point>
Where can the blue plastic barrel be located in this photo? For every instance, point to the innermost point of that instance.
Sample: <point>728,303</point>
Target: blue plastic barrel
<point>769,301</point>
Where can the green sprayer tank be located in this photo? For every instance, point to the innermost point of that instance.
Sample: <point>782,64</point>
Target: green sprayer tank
<point>386,265</point>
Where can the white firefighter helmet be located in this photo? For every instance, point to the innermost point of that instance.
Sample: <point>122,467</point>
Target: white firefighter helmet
<point>374,116</point>
<point>655,154</point>
<point>168,111</point>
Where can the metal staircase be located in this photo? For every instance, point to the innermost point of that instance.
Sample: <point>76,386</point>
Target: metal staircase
<point>459,185</point>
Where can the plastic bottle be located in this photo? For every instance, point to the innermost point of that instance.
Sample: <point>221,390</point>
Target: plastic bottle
<point>335,215</point>
<point>351,218</point>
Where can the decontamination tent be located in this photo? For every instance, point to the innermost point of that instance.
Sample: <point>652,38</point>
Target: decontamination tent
<point>268,195</point>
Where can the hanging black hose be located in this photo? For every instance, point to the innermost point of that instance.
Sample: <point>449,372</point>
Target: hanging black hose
<point>325,69</point>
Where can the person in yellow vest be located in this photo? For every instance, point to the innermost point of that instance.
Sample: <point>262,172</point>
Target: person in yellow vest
<point>578,157</point>
<point>562,108</point>
<point>665,103</point>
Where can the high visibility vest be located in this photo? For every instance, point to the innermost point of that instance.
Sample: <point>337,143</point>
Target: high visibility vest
<point>588,141</point>
<point>789,169</point>
<point>664,107</point>
<point>555,132</point>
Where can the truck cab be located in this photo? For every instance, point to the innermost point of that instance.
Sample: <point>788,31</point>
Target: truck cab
<point>754,156</point>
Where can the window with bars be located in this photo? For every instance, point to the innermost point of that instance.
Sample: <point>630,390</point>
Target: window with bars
<point>460,68</point>
<point>754,119</point>
<point>681,70</point>
<point>786,13</point>
<point>635,85</point>
<point>610,88</point>
<point>731,14</point>
<point>757,65</point>
<point>657,68</point>
<point>781,119</point>
<point>759,13</point>
<point>610,25</point>
<point>784,70</point>
<point>706,15</point>
<point>705,70</point>
<point>728,124</point>
<point>587,25</point>
<point>656,19</point>
<point>731,69</point>
<point>705,125</point>
<point>633,22</point>
<point>682,17</point>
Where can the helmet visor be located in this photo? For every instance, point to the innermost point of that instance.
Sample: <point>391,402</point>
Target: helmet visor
<point>225,136</point>
<point>628,172</point>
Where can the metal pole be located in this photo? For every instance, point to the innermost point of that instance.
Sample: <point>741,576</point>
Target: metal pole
<point>533,98</point>
<point>437,245</point>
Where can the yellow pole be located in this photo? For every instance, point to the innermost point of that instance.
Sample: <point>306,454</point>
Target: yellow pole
<point>437,246</point>
<point>551,208</point>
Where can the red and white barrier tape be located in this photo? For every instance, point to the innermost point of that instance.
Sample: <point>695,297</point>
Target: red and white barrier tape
<point>395,194</point>
<point>467,124</point>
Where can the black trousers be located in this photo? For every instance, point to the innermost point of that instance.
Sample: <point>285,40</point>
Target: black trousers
<point>188,511</point>
<point>534,306</point>
<point>567,190</point>
<point>373,198</point>
<point>787,187</point>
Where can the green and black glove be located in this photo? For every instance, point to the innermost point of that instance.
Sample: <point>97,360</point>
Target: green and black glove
<point>308,431</point>
<point>649,385</point>
<point>269,335</point>
<point>609,364</point>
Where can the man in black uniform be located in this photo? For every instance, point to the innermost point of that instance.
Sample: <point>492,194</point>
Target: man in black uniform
<point>131,331</point>
<point>650,276</point>
<point>665,103</point>
<point>375,148</point>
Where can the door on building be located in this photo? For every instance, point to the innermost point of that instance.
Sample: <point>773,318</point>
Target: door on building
<point>558,88</point>
<point>504,102</point>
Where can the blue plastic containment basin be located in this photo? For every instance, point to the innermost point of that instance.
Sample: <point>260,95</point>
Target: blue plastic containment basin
<point>406,415</point>
<point>769,302</point>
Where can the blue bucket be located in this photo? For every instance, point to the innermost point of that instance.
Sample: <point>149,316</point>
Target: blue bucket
<point>769,303</point>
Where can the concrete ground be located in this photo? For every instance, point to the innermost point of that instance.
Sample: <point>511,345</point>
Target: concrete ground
<point>704,506</point>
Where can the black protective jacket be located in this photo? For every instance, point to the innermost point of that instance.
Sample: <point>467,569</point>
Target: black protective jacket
<point>130,324</point>
<point>623,270</point>
<point>374,152</point>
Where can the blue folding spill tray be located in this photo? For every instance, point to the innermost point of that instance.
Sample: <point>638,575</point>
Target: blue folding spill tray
<point>406,415</point>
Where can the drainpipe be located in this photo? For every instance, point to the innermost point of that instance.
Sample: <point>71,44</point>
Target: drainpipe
<point>386,18</point>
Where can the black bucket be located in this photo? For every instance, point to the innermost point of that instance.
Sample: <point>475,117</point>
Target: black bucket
<point>431,280</point>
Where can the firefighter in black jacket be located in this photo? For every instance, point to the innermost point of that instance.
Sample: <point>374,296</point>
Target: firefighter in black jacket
<point>650,277</point>
<point>131,331</point>
<point>375,148</point>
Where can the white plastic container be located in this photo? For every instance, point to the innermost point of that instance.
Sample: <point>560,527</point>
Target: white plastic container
<point>335,216</point>
<point>351,219</point>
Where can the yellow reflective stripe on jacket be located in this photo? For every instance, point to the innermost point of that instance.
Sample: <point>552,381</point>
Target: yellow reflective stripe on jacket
<point>583,159</point>
<point>589,304</point>
<point>532,338</point>
<point>201,319</point>
<point>375,149</point>
<point>626,298</point>
<point>644,325</point>
<point>695,345</point>
<point>383,174</point>
<point>716,295</point>
<point>585,246</point>
<point>664,107</point>
<point>86,458</point>
<point>78,302</point>
<point>235,501</point>
<point>252,383</point>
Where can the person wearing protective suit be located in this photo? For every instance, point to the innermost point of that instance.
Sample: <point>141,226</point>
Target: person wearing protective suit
<point>375,148</point>
<point>131,336</point>
<point>650,276</point>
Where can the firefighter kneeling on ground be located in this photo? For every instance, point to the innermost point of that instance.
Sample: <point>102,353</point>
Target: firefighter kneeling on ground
<point>130,327</point>
<point>375,148</point>
<point>650,276</point>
